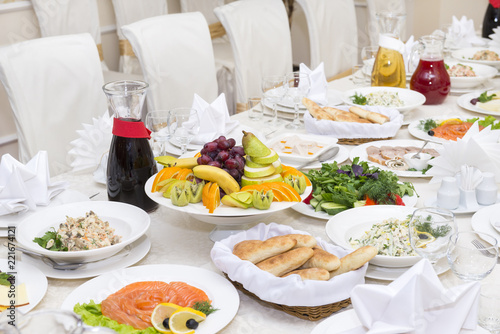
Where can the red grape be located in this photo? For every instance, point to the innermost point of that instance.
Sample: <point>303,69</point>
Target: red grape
<point>215,164</point>
<point>238,150</point>
<point>231,163</point>
<point>223,145</point>
<point>211,147</point>
<point>234,173</point>
<point>222,156</point>
<point>204,160</point>
<point>231,142</point>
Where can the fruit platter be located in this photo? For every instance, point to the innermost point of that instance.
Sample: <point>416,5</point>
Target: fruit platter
<point>225,184</point>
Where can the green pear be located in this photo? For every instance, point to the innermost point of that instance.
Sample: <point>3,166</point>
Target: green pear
<point>253,146</point>
<point>268,159</point>
<point>258,172</point>
<point>231,201</point>
<point>250,163</point>
<point>247,181</point>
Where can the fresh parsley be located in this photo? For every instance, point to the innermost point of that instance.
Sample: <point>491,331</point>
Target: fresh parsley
<point>359,99</point>
<point>6,279</point>
<point>427,124</point>
<point>56,245</point>
<point>484,97</point>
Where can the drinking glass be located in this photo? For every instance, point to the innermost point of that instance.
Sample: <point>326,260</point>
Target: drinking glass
<point>368,55</point>
<point>358,75</point>
<point>297,86</point>
<point>274,90</point>
<point>255,109</point>
<point>489,307</point>
<point>467,261</point>
<point>44,321</point>
<point>158,123</point>
<point>429,232</point>
<point>184,125</point>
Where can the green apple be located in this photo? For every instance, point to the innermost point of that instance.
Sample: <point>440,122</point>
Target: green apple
<point>268,159</point>
<point>250,163</point>
<point>246,181</point>
<point>251,172</point>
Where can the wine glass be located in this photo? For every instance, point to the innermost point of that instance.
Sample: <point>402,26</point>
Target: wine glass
<point>184,125</point>
<point>158,122</point>
<point>274,90</point>
<point>429,232</point>
<point>467,261</point>
<point>297,85</point>
<point>489,307</point>
<point>368,56</point>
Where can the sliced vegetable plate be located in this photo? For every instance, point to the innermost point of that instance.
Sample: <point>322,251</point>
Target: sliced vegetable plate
<point>360,151</point>
<point>491,107</point>
<point>410,99</point>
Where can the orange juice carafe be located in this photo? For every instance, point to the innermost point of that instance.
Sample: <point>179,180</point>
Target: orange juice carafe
<point>389,67</point>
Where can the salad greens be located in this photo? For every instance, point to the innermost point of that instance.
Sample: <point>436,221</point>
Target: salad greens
<point>6,279</point>
<point>47,237</point>
<point>359,99</point>
<point>349,185</point>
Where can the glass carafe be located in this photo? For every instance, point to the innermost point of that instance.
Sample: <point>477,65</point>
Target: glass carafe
<point>389,67</point>
<point>430,77</point>
<point>130,162</point>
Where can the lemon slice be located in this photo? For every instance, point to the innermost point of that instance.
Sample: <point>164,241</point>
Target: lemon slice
<point>424,239</point>
<point>185,320</point>
<point>451,121</point>
<point>160,313</point>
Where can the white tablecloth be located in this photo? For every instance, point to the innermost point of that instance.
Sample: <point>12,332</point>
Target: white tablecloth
<point>179,239</point>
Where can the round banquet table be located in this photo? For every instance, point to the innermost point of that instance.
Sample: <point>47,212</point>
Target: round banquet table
<point>177,238</point>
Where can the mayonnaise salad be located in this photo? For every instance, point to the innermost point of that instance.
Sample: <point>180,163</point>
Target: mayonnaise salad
<point>384,98</point>
<point>390,237</point>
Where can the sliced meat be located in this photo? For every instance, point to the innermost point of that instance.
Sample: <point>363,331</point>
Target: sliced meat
<point>373,153</point>
<point>390,153</point>
<point>431,151</point>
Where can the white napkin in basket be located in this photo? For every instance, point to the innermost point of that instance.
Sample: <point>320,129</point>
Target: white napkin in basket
<point>23,187</point>
<point>291,290</point>
<point>214,119</point>
<point>415,303</point>
<point>319,85</point>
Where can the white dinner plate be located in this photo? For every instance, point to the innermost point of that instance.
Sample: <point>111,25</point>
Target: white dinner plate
<point>483,73</point>
<point>128,221</point>
<point>466,54</point>
<point>410,98</point>
<point>34,280</point>
<point>487,85</point>
<point>464,102</point>
<point>340,157</point>
<point>223,215</point>
<point>353,223</point>
<point>481,220</point>
<point>138,250</point>
<point>432,201</point>
<point>390,274</point>
<point>220,291</point>
<point>348,320</point>
<point>334,99</point>
<point>360,151</point>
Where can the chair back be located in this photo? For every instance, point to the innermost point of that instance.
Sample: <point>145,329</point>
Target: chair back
<point>127,12</point>
<point>70,17</point>
<point>260,38</point>
<point>206,7</point>
<point>176,57</point>
<point>333,34</point>
<point>54,84</point>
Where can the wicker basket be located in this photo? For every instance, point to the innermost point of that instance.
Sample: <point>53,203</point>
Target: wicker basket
<point>358,141</point>
<point>313,313</point>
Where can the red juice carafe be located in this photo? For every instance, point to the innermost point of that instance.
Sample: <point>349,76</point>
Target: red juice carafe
<point>430,77</point>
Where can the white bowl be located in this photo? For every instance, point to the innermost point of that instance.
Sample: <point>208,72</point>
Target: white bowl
<point>466,54</point>
<point>483,73</point>
<point>410,98</point>
<point>355,222</point>
<point>129,222</point>
<point>418,164</point>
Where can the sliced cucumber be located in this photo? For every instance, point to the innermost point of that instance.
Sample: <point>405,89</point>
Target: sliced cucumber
<point>314,202</point>
<point>357,204</point>
<point>332,208</point>
<point>319,206</point>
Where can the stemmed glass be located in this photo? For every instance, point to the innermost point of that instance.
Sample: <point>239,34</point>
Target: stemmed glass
<point>429,232</point>
<point>274,90</point>
<point>184,125</point>
<point>158,122</point>
<point>368,55</point>
<point>298,86</point>
<point>468,262</point>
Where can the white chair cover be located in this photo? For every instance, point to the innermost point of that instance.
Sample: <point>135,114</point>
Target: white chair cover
<point>69,17</point>
<point>256,28</point>
<point>397,6</point>
<point>223,54</point>
<point>54,84</point>
<point>175,53</point>
<point>333,34</point>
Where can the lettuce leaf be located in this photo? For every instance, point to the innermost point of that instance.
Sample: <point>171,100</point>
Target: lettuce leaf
<point>91,314</point>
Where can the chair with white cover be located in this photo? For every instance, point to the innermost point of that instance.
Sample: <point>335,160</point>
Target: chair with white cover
<point>54,84</point>
<point>176,57</point>
<point>223,54</point>
<point>332,32</point>
<point>395,6</point>
<point>127,12</point>
<point>260,38</point>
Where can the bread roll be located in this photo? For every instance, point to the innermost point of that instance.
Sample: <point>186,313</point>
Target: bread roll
<point>283,263</point>
<point>374,117</point>
<point>256,250</point>
<point>311,274</point>
<point>322,259</point>
<point>344,116</point>
<point>355,260</point>
<point>303,240</point>
<point>315,110</point>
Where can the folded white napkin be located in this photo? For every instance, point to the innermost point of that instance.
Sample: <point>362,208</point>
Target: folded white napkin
<point>416,303</point>
<point>480,149</point>
<point>495,38</point>
<point>410,64</point>
<point>214,119</point>
<point>470,177</point>
<point>319,85</point>
<point>461,34</point>
<point>23,187</point>
<point>291,290</point>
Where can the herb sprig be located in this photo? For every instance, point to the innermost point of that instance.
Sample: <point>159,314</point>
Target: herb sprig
<point>359,99</point>
<point>57,244</point>
<point>205,307</point>
<point>437,232</point>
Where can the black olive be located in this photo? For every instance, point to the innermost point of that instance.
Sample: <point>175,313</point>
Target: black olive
<point>474,101</point>
<point>165,323</point>
<point>430,133</point>
<point>192,324</point>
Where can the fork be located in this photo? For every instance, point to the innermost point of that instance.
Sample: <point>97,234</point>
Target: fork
<point>483,250</point>
<point>417,155</point>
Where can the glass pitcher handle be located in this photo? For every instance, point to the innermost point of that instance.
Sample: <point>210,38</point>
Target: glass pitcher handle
<point>415,54</point>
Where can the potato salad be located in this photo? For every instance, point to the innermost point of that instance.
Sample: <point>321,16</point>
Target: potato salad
<point>384,98</point>
<point>390,237</point>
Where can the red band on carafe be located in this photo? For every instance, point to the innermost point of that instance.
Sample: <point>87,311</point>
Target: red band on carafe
<point>130,129</point>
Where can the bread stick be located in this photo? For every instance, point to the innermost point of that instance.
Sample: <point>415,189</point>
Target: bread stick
<point>315,110</point>
<point>256,250</point>
<point>311,274</point>
<point>283,263</point>
<point>322,259</point>
<point>344,116</point>
<point>355,260</point>
<point>303,240</point>
<point>374,117</point>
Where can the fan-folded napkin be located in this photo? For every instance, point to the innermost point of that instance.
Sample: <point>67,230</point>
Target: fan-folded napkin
<point>291,290</point>
<point>318,83</point>
<point>495,38</point>
<point>410,63</point>
<point>461,34</point>
<point>416,303</point>
<point>214,119</point>
<point>23,187</point>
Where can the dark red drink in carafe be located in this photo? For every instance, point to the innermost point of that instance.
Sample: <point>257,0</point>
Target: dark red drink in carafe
<point>432,80</point>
